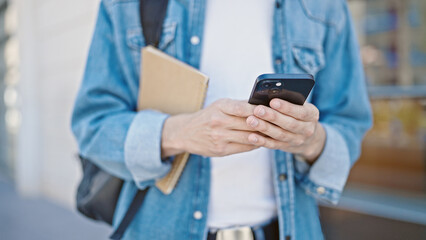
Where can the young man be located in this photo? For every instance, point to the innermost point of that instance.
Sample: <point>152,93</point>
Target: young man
<point>254,170</point>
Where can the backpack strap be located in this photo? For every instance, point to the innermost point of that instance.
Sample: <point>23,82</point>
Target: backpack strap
<point>152,14</point>
<point>130,214</point>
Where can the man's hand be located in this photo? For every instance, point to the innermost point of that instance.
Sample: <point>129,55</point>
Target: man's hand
<point>218,130</point>
<point>288,127</point>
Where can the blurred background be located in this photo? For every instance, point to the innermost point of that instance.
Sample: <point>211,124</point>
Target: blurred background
<point>43,48</point>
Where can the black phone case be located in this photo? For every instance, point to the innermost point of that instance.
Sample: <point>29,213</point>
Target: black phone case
<point>293,88</point>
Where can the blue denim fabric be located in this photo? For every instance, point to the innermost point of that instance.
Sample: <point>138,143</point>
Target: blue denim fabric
<point>309,36</point>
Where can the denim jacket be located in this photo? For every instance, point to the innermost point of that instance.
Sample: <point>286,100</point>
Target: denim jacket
<point>309,36</point>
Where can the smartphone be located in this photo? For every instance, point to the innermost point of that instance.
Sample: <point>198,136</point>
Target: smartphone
<point>293,88</point>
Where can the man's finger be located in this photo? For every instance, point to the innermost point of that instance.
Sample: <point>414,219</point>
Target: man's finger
<point>236,107</point>
<point>233,148</point>
<point>266,142</point>
<point>240,137</point>
<point>307,112</point>
<point>237,123</point>
<point>284,121</point>
<point>272,130</point>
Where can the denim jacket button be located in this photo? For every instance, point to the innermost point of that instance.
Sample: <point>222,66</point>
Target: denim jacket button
<point>195,40</point>
<point>320,190</point>
<point>198,215</point>
<point>283,177</point>
<point>278,61</point>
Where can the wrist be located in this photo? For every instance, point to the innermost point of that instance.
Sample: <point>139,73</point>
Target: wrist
<point>171,140</point>
<point>317,145</point>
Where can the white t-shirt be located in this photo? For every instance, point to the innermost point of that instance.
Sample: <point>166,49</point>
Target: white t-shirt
<point>236,49</point>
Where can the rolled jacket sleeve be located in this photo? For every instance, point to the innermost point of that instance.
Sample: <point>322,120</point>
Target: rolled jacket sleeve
<point>142,148</point>
<point>326,178</point>
<point>340,95</point>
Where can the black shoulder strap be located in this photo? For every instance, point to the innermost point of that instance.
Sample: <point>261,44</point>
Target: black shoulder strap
<point>152,14</point>
<point>130,214</point>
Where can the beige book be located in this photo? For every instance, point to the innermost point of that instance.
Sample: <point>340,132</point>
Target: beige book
<point>173,87</point>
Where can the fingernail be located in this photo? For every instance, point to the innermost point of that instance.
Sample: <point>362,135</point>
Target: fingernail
<point>253,139</point>
<point>261,111</point>
<point>275,104</point>
<point>254,122</point>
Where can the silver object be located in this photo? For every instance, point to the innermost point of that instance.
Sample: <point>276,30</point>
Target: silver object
<point>237,233</point>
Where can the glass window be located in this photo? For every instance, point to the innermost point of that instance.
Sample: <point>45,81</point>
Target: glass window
<point>390,177</point>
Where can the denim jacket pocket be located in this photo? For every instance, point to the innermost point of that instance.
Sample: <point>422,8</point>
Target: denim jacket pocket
<point>309,59</point>
<point>168,37</point>
<point>136,41</point>
<point>328,12</point>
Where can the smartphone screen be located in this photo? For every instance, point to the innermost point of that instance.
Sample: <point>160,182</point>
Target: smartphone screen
<point>293,88</point>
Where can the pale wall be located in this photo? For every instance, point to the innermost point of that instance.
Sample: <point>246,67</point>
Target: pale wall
<point>54,39</point>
